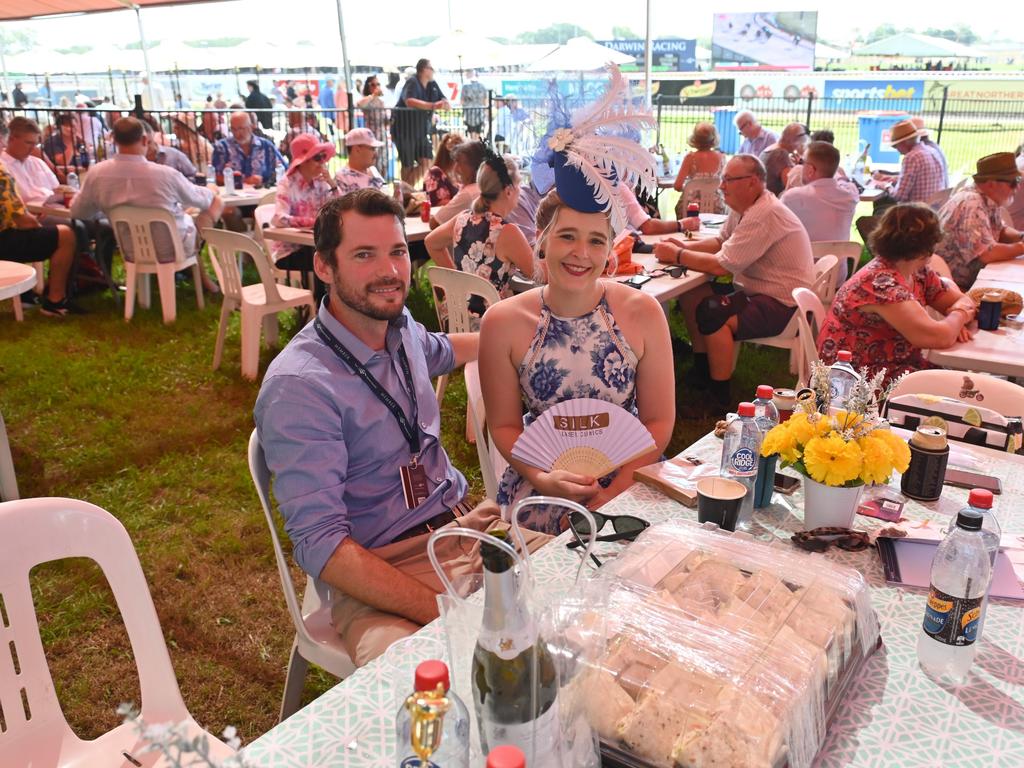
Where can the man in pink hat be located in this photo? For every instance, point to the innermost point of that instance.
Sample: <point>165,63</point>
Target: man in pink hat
<point>361,171</point>
<point>306,186</point>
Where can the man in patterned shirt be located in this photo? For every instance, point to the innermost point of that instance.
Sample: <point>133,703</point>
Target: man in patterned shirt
<point>254,156</point>
<point>921,176</point>
<point>972,220</point>
<point>361,171</point>
<point>24,239</point>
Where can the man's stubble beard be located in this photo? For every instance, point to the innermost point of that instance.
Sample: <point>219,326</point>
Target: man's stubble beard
<point>360,302</point>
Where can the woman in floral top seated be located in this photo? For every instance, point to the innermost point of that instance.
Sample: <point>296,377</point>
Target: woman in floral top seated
<point>481,242</point>
<point>439,184</point>
<point>306,186</point>
<point>577,336</point>
<point>880,314</point>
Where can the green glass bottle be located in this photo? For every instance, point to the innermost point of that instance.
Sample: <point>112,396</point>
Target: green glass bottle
<point>515,687</point>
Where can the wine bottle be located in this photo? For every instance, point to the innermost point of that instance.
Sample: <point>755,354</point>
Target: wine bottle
<point>515,687</point>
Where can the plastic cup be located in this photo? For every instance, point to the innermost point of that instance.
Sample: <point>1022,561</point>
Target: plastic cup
<point>719,500</point>
<point>403,656</point>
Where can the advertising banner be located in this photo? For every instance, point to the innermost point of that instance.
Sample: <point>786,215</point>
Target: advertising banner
<point>668,55</point>
<point>711,93</point>
<point>790,86</point>
<point>974,90</point>
<point>902,95</point>
<point>766,40</point>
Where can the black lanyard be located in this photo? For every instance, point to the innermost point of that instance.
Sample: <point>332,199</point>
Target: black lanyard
<point>410,431</point>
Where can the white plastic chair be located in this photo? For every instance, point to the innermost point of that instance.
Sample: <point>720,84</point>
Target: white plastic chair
<point>264,216</point>
<point>847,251</point>
<point>149,242</point>
<point>452,290</point>
<point>259,302</point>
<point>824,287</point>
<point>810,314</point>
<point>316,640</point>
<point>999,395</point>
<point>34,531</point>
<point>8,480</point>
<point>269,198</point>
<point>492,463</point>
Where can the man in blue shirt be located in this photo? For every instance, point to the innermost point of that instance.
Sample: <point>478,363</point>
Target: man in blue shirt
<point>326,99</point>
<point>253,156</point>
<point>351,429</point>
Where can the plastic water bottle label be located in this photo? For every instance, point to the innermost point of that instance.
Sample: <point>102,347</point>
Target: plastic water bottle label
<point>743,462</point>
<point>413,761</point>
<point>952,620</point>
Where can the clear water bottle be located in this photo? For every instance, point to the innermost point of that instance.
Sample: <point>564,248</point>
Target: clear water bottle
<point>841,378</point>
<point>279,171</point>
<point>740,449</point>
<point>767,416</point>
<point>948,640</point>
<point>432,726</point>
<point>229,180</point>
<point>73,181</point>
<point>979,504</point>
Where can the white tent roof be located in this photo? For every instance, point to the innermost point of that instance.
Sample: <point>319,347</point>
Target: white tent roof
<point>580,54</point>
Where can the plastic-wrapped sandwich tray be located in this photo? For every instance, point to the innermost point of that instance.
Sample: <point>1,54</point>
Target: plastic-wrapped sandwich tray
<point>722,651</point>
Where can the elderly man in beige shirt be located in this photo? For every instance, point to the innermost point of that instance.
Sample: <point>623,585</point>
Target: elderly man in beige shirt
<point>764,245</point>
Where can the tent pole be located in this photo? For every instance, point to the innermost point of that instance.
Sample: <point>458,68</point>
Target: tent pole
<point>648,57</point>
<point>3,66</point>
<point>344,49</point>
<point>145,54</point>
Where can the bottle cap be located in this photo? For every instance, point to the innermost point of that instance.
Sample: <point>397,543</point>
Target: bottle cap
<point>765,391</point>
<point>980,498</point>
<point>506,757</point>
<point>844,356</point>
<point>745,409</point>
<point>429,674</point>
<point>968,522</point>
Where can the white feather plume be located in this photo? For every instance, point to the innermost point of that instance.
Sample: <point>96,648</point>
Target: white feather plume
<point>601,156</point>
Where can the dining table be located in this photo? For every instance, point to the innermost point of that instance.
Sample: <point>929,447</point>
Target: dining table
<point>416,230</point>
<point>15,279</point>
<point>892,715</point>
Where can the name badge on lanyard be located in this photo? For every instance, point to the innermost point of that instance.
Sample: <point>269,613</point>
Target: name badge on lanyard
<point>414,483</point>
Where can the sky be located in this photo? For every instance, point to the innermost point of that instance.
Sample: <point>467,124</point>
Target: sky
<point>316,20</point>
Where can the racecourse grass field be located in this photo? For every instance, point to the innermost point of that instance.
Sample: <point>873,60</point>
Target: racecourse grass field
<point>130,416</point>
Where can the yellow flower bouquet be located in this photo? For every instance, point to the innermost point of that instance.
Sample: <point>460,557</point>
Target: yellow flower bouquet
<point>839,450</point>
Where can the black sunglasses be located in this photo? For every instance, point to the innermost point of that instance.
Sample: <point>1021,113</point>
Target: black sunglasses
<point>677,271</point>
<point>626,527</point>
<point>820,539</point>
<point>320,157</point>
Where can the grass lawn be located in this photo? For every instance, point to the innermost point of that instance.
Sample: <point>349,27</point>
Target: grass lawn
<point>130,417</point>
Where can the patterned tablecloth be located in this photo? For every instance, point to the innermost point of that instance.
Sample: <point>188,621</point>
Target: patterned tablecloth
<point>894,716</point>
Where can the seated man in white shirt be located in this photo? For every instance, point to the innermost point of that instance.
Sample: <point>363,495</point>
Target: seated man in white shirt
<point>823,203</point>
<point>36,182</point>
<point>129,179</point>
<point>361,171</point>
<point>764,245</point>
<point>468,157</point>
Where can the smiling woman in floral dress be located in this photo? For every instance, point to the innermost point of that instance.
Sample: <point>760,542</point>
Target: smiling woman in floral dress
<point>578,336</point>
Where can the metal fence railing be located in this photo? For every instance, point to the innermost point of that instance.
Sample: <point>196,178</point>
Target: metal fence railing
<point>965,129</point>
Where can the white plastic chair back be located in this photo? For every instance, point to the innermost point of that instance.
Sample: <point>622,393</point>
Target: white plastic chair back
<point>810,314</point>
<point>825,270</point>
<point>269,198</point>
<point>263,216</point>
<point>999,395</point>
<point>452,291</point>
<point>147,235</point>
<point>936,201</point>
<point>492,463</point>
<point>225,247</point>
<point>8,481</point>
<point>35,531</point>
<point>316,639</point>
<point>847,251</point>
<point>706,191</point>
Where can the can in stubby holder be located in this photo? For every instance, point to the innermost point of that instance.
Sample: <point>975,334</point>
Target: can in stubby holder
<point>764,485</point>
<point>425,211</point>
<point>929,452</point>
<point>693,210</point>
<point>989,311</point>
<point>239,180</point>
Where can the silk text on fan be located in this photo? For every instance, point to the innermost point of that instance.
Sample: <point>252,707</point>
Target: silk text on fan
<point>581,423</point>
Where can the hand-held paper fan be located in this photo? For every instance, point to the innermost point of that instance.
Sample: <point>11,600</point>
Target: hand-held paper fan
<point>586,436</point>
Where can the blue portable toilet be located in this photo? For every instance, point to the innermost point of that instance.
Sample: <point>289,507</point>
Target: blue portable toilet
<point>874,127</point>
<point>728,135</point>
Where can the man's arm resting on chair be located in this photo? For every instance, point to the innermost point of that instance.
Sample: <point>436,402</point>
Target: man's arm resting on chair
<point>361,574</point>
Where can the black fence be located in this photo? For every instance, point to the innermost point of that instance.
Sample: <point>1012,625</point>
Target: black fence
<point>966,129</point>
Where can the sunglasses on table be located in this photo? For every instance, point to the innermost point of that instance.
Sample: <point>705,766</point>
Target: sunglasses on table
<point>820,539</point>
<point>676,271</point>
<point>626,527</point>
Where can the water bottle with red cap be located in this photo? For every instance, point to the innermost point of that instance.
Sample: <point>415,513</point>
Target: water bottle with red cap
<point>841,378</point>
<point>432,726</point>
<point>979,504</point>
<point>506,757</point>
<point>741,446</point>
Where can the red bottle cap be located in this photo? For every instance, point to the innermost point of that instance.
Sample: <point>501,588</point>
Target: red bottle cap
<point>431,673</point>
<point>506,757</point>
<point>746,409</point>
<point>980,498</point>
<point>845,356</point>
<point>765,392</point>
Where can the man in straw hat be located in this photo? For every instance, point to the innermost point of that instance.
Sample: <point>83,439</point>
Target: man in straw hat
<point>931,146</point>
<point>922,174</point>
<point>972,220</point>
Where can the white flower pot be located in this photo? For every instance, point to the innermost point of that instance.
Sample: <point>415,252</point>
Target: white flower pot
<point>826,505</point>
